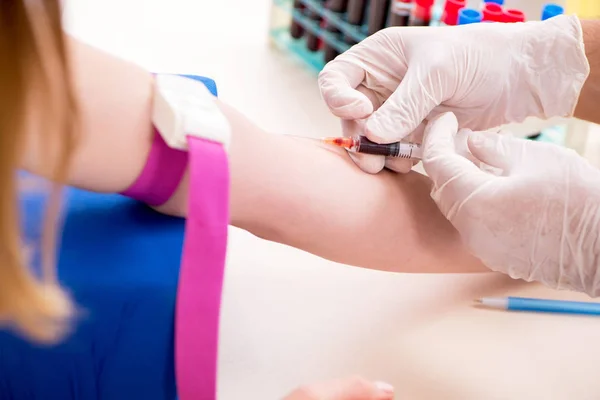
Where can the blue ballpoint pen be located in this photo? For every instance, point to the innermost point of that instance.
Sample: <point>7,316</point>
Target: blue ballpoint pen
<point>541,305</point>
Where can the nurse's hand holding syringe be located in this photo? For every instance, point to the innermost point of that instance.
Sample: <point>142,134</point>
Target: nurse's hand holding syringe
<point>488,75</point>
<point>361,145</point>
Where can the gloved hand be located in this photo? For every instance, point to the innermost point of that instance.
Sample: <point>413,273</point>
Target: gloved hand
<point>486,74</point>
<point>538,219</point>
<point>347,389</point>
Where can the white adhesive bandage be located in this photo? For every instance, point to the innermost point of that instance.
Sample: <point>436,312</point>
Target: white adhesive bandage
<point>184,107</point>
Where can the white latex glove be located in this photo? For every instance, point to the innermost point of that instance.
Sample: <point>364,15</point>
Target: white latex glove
<point>538,220</point>
<point>486,74</point>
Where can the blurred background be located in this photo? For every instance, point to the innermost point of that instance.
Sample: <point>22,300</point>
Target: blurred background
<point>246,47</point>
<point>289,317</point>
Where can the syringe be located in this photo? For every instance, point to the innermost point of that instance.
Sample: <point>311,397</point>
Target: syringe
<point>360,144</point>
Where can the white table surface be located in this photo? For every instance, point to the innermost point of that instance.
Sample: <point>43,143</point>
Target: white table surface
<point>290,317</point>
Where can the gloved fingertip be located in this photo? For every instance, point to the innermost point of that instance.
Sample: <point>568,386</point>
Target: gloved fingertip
<point>439,135</point>
<point>349,104</point>
<point>491,149</point>
<point>384,391</point>
<point>447,119</point>
<point>378,130</point>
<point>476,140</point>
<point>360,105</point>
<point>368,163</point>
<point>479,141</point>
<point>400,165</point>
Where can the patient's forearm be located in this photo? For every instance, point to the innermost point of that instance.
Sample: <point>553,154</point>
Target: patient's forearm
<point>311,197</point>
<point>291,191</point>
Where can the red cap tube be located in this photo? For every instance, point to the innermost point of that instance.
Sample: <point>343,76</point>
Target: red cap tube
<point>451,9</point>
<point>422,9</point>
<point>492,12</point>
<point>513,15</point>
<point>425,3</point>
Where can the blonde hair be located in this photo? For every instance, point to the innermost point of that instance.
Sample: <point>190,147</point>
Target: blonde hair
<point>37,109</point>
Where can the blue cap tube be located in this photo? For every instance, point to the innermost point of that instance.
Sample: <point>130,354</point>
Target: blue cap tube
<point>551,10</point>
<point>469,16</point>
<point>499,2</point>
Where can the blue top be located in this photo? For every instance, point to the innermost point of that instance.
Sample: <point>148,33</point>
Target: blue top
<point>551,10</point>
<point>469,16</point>
<point>120,260</point>
<point>501,2</point>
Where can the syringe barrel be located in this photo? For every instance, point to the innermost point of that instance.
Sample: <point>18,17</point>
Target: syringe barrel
<point>398,149</point>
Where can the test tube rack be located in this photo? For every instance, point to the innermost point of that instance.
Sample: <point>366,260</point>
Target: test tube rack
<point>283,13</point>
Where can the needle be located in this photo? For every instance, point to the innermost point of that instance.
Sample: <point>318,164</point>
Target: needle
<point>304,137</point>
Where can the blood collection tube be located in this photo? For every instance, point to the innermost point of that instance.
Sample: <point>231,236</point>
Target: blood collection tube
<point>356,12</point>
<point>338,6</point>
<point>492,12</point>
<point>360,144</point>
<point>399,12</point>
<point>513,15</point>
<point>355,16</point>
<point>378,15</point>
<point>469,16</point>
<point>313,42</point>
<point>297,30</point>
<point>421,13</point>
<point>551,10</point>
<point>451,9</point>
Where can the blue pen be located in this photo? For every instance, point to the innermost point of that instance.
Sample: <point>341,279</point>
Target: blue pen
<point>541,305</point>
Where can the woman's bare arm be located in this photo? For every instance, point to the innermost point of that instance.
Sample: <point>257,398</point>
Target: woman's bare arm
<point>314,198</point>
<point>286,190</point>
